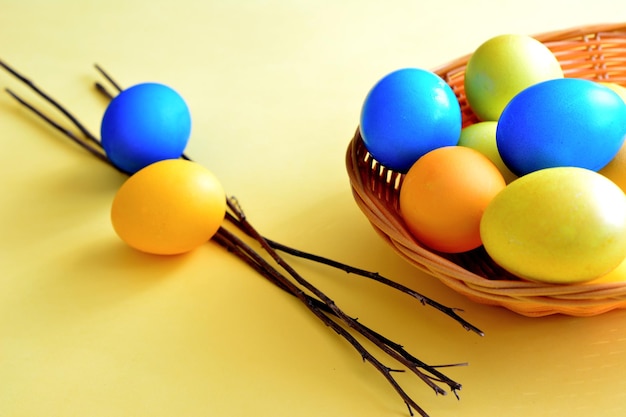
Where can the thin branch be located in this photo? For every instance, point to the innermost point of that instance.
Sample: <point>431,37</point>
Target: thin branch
<point>108,78</point>
<point>50,100</point>
<point>317,307</point>
<point>438,376</point>
<point>95,151</point>
<point>449,311</point>
<point>319,304</point>
<point>103,90</point>
<point>349,321</point>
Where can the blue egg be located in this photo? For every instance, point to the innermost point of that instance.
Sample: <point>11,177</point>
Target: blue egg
<point>144,124</point>
<point>561,122</point>
<point>408,113</point>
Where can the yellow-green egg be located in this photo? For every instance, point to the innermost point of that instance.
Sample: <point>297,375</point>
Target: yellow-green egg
<point>482,137</point>
<point>503,66</point>
<point>557,225</point>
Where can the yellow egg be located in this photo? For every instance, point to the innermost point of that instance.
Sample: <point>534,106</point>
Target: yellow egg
<point>619,89</point>
<point>616,275</point>
<point>169,207</point>
<point>557,225</point>
<point>616,169</point>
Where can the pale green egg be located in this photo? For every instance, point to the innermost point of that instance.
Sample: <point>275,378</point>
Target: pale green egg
<point>482,137</point>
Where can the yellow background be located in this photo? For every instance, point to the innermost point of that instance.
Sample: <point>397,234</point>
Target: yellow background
<point>89,327</point>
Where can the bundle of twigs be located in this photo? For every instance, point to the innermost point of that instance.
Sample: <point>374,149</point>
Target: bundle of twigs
<point>284,275</point>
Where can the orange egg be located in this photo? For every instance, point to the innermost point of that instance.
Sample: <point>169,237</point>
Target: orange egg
<point>444,195</point>
<point>169,207</point>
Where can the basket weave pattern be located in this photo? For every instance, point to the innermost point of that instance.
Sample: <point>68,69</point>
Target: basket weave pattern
<point>592,52</point>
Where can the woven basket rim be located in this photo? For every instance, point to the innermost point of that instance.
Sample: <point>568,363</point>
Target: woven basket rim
<point>375,188</point>
<point>551,36</point>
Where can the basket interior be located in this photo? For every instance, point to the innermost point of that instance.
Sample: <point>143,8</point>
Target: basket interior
<point>594,52</point>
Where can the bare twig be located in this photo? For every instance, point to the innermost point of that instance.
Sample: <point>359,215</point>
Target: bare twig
<point>349,321</point>
<point>317,307</point>
<point>108,78</point>
<point>103,90</point>
<point>96,151</point>
<point>449,311</point>
<point>264,268</point>
<point>90,136</point>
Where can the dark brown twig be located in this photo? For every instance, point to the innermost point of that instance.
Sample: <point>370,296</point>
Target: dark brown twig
<point>449,311</point>
<point>317,307</point>
<point>264,268</point>
<point>108,78</point>
<point>349,321</point>
<point>96,151</point>
<point>103,90</point>
<point>49,99</point>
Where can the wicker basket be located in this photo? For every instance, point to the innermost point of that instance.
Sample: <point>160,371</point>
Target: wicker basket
<point>593,52</point>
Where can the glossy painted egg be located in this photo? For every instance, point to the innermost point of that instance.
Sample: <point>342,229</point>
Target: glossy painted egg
<point>169,207</point>
<point>557,225</point>
<point>618,274</point>
<point>444,195</point>
<point>562,122</point>
<point>408,113</point>
<point>145,123</point>
<point>618,88</point>
<point>615,170</point>
<point>482,137</point>
<point>503,66</point>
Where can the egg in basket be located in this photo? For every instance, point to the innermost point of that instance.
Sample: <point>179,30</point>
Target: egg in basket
<point>547,231</point>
